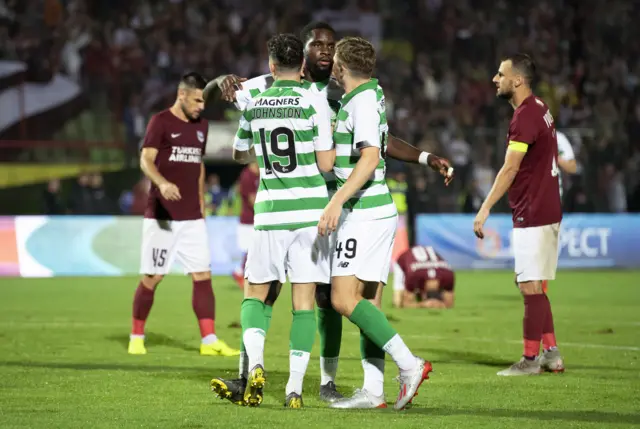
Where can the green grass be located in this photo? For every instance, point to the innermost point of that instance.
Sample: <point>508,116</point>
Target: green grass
<point>63,360</point>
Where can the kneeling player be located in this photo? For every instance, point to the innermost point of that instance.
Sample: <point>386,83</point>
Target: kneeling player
<point>292,126</point>
<point>422,279</point>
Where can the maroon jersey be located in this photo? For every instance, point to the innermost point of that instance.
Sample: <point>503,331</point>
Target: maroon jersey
<point>180,147</point>
<point>422,263</point>
<point>534,196</point>
<point>248,186</point>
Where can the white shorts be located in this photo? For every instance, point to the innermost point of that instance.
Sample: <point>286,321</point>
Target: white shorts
<point>300,254</point>
<point>535,250</point>
<point>164,241</point>
<point>245,234</point>
<point>364,249</point>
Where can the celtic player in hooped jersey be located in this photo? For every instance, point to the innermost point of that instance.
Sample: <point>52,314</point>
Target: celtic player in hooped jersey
<point>287,129</point>
<point>319,39</point>
<point>365,238</point>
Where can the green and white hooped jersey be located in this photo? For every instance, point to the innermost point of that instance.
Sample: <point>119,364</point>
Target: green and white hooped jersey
<point>287,124</point>
<point>361,123</point>
<point>328,88</point>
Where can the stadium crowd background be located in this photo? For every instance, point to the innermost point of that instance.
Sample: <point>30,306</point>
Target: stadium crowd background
<point>436,62</point>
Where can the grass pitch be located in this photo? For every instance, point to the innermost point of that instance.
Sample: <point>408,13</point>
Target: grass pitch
<point>63,360</point>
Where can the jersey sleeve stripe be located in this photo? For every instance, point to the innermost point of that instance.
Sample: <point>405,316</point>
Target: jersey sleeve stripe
<point>243,134</point>
<point>275,206</point>
<point>518,146</point>
<point>343,161</point>
<point>290,183</point>
<point>369,202</point>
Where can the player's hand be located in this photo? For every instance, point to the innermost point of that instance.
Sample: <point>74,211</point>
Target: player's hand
<point>228,86</point>
<point>170,191</point>
<point>329,219</point>
<point>442,166</point>
<point>478,223</point>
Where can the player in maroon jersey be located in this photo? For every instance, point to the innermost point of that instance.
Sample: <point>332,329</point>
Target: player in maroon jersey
<point>422,279</point>
<point>173,225</point>
<point>530,174</point>
<point>249,180</point>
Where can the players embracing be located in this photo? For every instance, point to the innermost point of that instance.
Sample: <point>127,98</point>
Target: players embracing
<point>319,47</point>
<point>530,173</point>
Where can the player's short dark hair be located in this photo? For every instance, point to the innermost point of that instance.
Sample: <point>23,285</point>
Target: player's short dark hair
<point>358,55</point>
<point>192,80</point>
<point>286,51</point>
<point>307,32</point>
<point>524,65</point>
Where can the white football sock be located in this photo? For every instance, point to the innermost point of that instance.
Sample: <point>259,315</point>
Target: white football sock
<point>298,362</point>
<point>209,339</point>
<point>328,369</point>
<point>373,376</point>
<point>132,336</point>
<point>254,345</point>
<point>401,354</point>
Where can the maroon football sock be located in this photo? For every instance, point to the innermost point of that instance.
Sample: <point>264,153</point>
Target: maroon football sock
<point>535,312</point>
<point>548,332</point>
<point>204,305</point>
<point>142,302</point>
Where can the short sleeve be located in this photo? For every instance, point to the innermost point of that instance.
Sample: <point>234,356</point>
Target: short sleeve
<point>322,138</point>
<point>154,134</point>
<point>522,130</point>
<point>366,124</point>
<point>244,139</point>
<point>565,150</point>
<point>250,89</point>
<point>243,97</point>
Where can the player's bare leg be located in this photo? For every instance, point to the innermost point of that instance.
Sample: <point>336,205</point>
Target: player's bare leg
<point>372,393</point>
<point>204,306</point>
<point>330,330</point>
<point>302,336</point>
<point>348,301</point>
<point>535,313</point>
<point>142,303</point>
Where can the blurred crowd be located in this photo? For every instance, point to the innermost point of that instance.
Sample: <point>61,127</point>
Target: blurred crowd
<point>436,62</point>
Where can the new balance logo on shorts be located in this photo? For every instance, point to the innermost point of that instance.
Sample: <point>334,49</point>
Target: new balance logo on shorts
<point>343,264</point>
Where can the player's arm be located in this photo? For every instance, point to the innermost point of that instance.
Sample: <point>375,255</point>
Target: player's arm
<point>403,151</point>
<point>568,165</point>
<point>150,146</point>
<point>567,159</point>
<point>398,286</point>
<point>227,84</point>
<point>515,154</point>
<point>201,190</point>
<point>323,139</point>
<point>243,150</point>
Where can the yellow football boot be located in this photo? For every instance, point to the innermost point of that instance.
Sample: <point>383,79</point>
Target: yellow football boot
<point>219,348</point>
<point>136,346</point>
